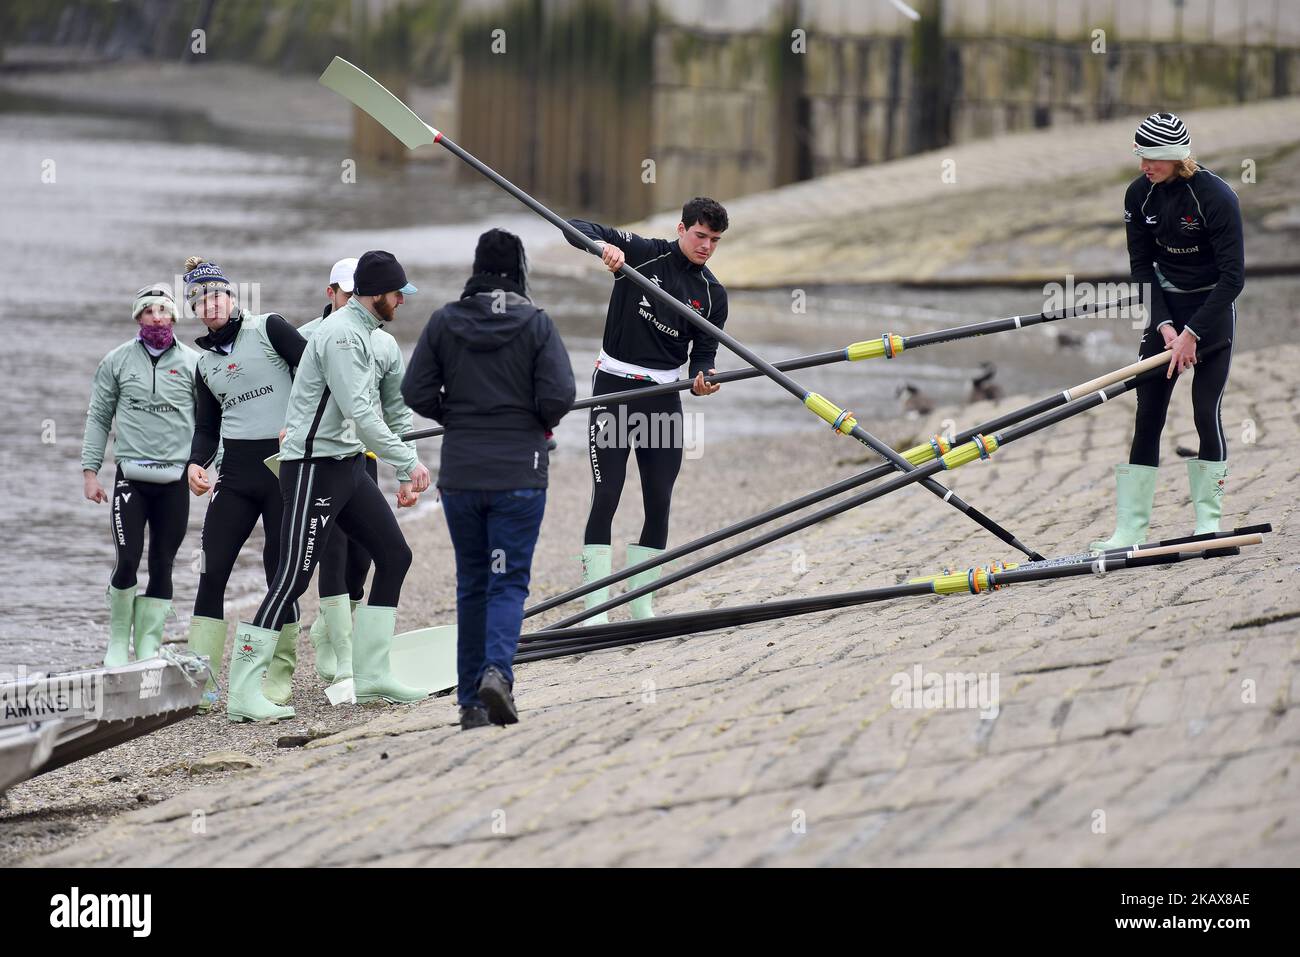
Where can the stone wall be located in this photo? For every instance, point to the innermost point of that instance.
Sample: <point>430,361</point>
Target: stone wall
<point>730,97</point>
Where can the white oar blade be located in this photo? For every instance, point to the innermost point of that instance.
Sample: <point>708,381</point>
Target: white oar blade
<point>370,95</point>
<point>425,658</point>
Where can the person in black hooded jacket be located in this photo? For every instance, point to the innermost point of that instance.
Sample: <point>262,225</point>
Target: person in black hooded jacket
<point>492,369</point>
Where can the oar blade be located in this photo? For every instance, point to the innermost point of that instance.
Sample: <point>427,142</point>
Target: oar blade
<point>368,94</point>
<point>425,658</point>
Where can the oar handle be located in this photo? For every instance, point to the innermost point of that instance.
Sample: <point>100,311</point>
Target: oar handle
<point>1191,548</point>
<point>1119,375</point>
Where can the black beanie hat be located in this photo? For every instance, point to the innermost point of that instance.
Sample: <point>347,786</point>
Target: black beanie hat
<point>501,253</point>
<point>379,272</point>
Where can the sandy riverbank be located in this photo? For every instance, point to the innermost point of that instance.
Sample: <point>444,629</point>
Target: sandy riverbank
<point>1123,694</point>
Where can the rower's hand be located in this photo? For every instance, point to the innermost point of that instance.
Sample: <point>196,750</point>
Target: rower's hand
<point>283,433</point>
<point>1168,332</point>
<point>94,491</point>
<point>613,257</point>
<point>700,387</point>
<point>200,481</point>
<point>420,478</point>
<point>1184,357</point>
<point>406,496</point>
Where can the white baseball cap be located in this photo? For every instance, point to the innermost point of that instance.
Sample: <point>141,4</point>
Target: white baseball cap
<point>342,274</point>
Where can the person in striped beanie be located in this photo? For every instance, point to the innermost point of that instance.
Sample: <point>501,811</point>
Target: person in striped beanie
<point>1186,256</point>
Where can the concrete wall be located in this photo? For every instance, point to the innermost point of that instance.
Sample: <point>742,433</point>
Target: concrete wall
<point>715,95</point>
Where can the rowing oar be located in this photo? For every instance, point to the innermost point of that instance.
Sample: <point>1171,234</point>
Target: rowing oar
<point>538,646</point>
<point>390,112</point>
<point>888,346</point>
<point>1146,547</point>
<point>980,446</point>
<point>917,455</point>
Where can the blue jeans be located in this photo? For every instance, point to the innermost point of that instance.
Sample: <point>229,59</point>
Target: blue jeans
<point>493,534</point>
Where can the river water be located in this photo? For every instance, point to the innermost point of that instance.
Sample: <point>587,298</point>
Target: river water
<point>131,196</point>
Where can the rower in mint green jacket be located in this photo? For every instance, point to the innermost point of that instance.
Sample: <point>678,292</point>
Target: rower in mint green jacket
<point>345,564</point>
<point>331,421</point>
<point>143,391</point>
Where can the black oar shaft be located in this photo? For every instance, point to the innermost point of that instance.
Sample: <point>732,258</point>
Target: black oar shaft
<point>538,646</point>
<point>839,419</point>
<point>958,455</point>
<point>665,388</point>
<point>812,498</point>
<point>816,359</point>
<point>1004,325</point>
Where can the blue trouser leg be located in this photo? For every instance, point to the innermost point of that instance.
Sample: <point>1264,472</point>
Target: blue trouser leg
<point>465,512</point>
<point>513,521</point>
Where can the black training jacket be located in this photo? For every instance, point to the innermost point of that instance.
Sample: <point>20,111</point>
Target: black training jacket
<point>643,331</point>
<point>497,380</point>
<point>1191,229</point>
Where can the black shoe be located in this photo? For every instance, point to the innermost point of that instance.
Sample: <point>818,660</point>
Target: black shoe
<point>474,717</point>
<point>494,691</point>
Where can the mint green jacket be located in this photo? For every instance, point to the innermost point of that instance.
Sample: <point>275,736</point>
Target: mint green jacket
<point>343,376</point>
<point>153,405</point>
<point>390,367</point>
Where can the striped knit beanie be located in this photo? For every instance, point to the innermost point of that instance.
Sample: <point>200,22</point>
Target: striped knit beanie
<point>1162,136</point>
<point>204,277</point>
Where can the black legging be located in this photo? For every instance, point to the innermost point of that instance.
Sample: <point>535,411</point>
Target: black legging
<point>246,491</point>
<point>345,564</point>
<point>611,432</point>
<point>1208,384</point>
<point>319,496</point>
<point>165,509</point>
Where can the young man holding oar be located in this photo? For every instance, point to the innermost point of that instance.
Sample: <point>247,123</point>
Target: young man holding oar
<point>1185,245</point>
<point>644,343</point>
<point>345,563</point>
<point>330,422</point>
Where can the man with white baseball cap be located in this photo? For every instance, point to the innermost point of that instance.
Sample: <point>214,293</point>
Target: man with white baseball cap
<point>345,563</point>
<point>341,279</point>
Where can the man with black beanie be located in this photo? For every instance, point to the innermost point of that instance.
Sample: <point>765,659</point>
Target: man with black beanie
<point>330,422</point>
<point>492,369</point>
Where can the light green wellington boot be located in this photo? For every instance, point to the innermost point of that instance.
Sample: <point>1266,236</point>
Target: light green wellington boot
<point>150,614</point>
<point>208,637</point>
<point>643,607</point>
<point>277,686</point>
<point>1207,480</point>
<point>370,646</point>
<point>248,661</point>
<point>596,564</point>
<point>320,640</point>
<point>1135,490</point>
<point>121,614</point>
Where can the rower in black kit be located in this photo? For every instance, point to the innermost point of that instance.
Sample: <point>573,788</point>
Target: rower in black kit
<point>645,343</point>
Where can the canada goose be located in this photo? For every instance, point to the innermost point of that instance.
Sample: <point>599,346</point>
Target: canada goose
<point>982,387</point>
<point>915,403</point>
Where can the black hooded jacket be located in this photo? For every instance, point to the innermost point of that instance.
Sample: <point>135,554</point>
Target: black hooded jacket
<point>497,379</point>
